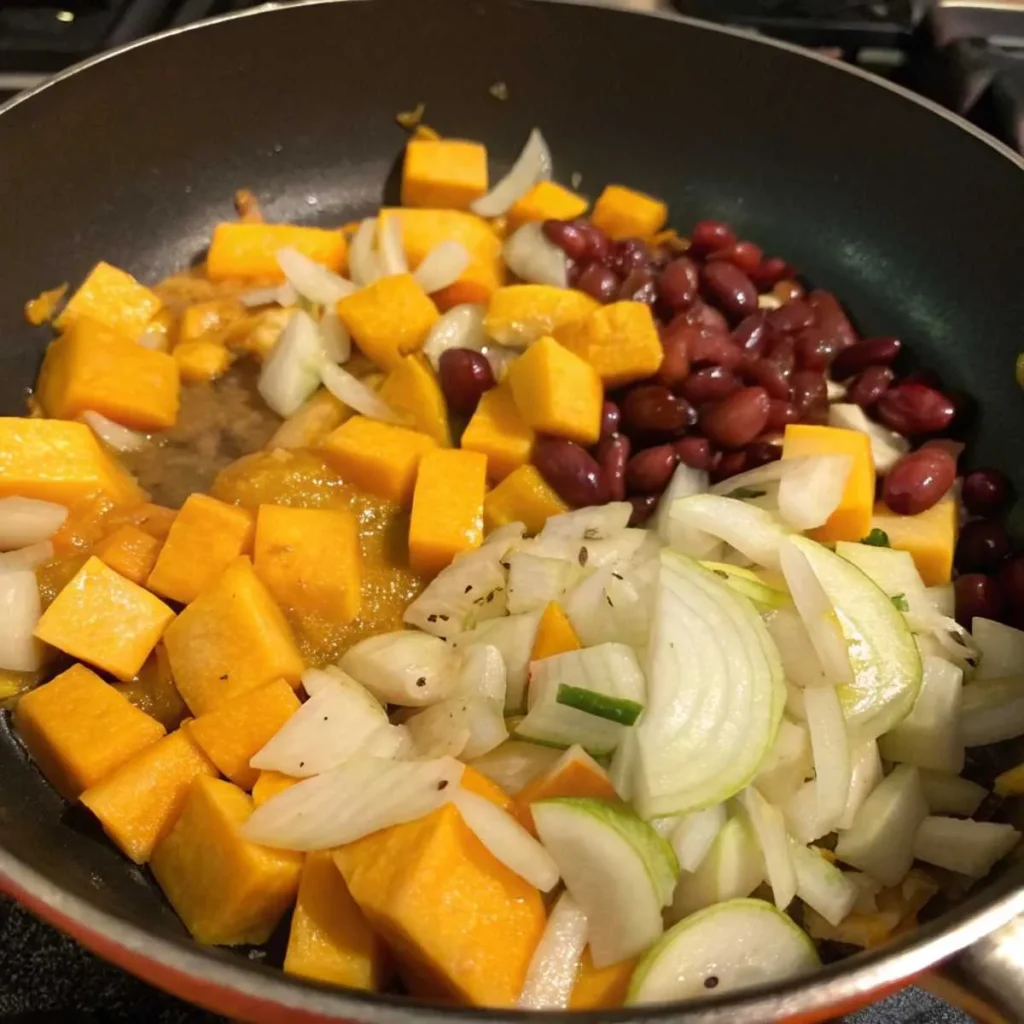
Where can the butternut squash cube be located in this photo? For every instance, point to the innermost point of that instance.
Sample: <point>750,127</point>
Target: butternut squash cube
<point>575,773</point>
<point>129,551</point>
<point>233,733</point>
<point>447,508</point>
<point>460,924</point>
<point>380,458</point>
<point>210,321</point>
<point>555,634</point>
<point>227,891</point>
<point>156,520</point>
<point>230,639</point>
<point>78,729</point>
<point>330,940</point>
<point>601,988</point>
<point>269,784</point>
<point>498,430</point>
<point>620,341</point>
<point>138,802</point>
<point>93,368</point>
<point>557,392</point>
<point>852,519</point>
<point>201,360</point>
<point>520,314</point>
<point>106,620</point>
<point>622,213</point>
<point>476,782</point>
<point>524,496</point>
<point>249,250</point>
<point>447,173</point>
<point>205,538</point>
<point>930,537</point>
<point>412,388</point>
<point>310,560</point>
<point>114,298</point>
<point>546,201</point>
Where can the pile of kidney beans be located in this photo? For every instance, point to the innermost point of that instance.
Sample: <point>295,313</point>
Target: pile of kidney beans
<point>747,350</point>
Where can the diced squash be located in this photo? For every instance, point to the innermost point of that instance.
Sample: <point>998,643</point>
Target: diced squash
<point>210,321</point>
<point>113,298</point>
<point>524,496</point>
<point>315,419</point>
<point>227,891</point>
<point>556,392</point>
<point>249,250</point>
<point>519,314</point>
<point>930,537</point>
<point>445,173</point>
<point>622,213</point>
<point>205,538</point>
<point>310,559</point>
<point>852,519</point>
<point>620,341</point>
<point>498,430</point>
<point>156,520</point>
<point>91,367</point>
<point>601,988</point>
<point>129,551</point>
<point>269,784</point>
<point>380,458</point>
<point>389,319</point>
<point>575,773</point>
<point>476,782</point>
<point>106,620</point>
<point>460,924</point>
<point>555,634</point>
<point>138,802</point>
<point>447,508</point>
<point>233,733</point>
<point>546,201</point>
<point>78,729</point>
<point>1011,782</point>
<point>412,388</point>
<point>330,940</point>
<point>201,360</point>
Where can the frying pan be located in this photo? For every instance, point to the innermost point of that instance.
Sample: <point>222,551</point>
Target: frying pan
<point>910,215</point>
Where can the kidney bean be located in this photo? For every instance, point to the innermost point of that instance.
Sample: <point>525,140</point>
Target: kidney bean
<point>629,254</point>
<point>814,350</point>
<point>713,350</point>
<point>868,386</point>
<point>599,282</point>
<point>745,255</point>
<point>791,317</point>
<point>678,283</point>
<point>728,464</point>
<point>751,333</point>
<point>612,454</point>
<point>977,596</point>
<point>661,255</point>
<point>694,451</point>
<point>787,291</point>
<point>571,470</point>
<point>706,317</point>
<point>911,409</point>
<point>599,245</point>
<point>738,419</point>
<point>985,491</point>
<point>808,389</point>
<point>567,236</point>
<point>653,409</point>
<point>1011,582</point>
<point>675,360</point>
<point>649,471</point>
<point>947,444</point>
<point>643,507</point>
<point>771,376</point>
<point>464,375</point>
<point>610,418</point>
<point>639,286</point>
<point>760,453</point>
<point>729,288</point>
<point>870,352</point>
<point>783,351</point>
<point>831,319</point>
<point>982,546</point>
<point>710,235</point>
<point>781,413</point>
<point>918,481</point>
<point>711,384</point>
<point>771,271</point>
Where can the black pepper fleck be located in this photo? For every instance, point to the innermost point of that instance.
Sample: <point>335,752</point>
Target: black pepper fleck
<point>223,677</point>
<point>443,784</point>
<point>431,618</point>
<point>583,556</point>
<point>422,681</point>
<point>469,587</point>
<point>711,981</point>
<point>617,576</point>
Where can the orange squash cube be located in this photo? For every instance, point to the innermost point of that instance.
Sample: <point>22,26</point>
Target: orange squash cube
<point>114,298</point>
<point>930,537</point>
<point>129,551</point>
<point>498,430</point>
<point>210,321</point>
<point>227,891</point>
<point>520,314</point>
<point>476,782</point>
<point>230,639</point>
<point>138,802</point>
<point>269,784</point>
<point>106,620</point>
<point>412,388</point>
<point>524,496</point>
<point>547,200</point>
<point>446,173</point>
<point>555,634</point>
<point>156,520</point>
<point>206,536</point>
<point>575,773</point>
<point>601,988</point>
<point>620,341</point>
<point>201,360</point>
<point>249,250</point>
<point>78,729</point>
<point>622,213</point>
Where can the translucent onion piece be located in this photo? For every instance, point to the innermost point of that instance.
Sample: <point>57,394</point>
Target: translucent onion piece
<point>356,395</point>
<point>770,829</point>
<point>887,447</point>
<point>515,763</point>
<point>968,847</point>
<point>695,834</point>
<point>112,434</point>
<point>831,750</point>
<point>753,531</point>
<point>391,252</point>
<point>335,338</point>
<point>482,673</point>
<point>280,295</point>
<point>532,165</point>
<point>810,489</point>
<point>30,557</point>
<point>461,327</point>
<point>406,667</point>
<point>20,609</point>
<point>534,258</point>
<point>442,266</point>
<point>25,521</point>
<point>291,372</point>
<point>312,280</point>
<point>551,976</point>
<point>362,260</point>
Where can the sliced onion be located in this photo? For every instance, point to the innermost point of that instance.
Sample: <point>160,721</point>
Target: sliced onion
<point>25,521</point>
<point>611,606</point>
<point>515,763</point>
<point>336,340</point>
<point>442,266</point>
<point>822,886</point>
<point>968,847</point>
<point>514,636</point>
<point>534,258</point>
<point>312,280</point>
<point>685,482</point>
<point>770,829</point>
<point>482,673</point>
<point>356,395</point>
<point>951,794</point>
<point>362,260</point>
<point>992,711</point>
<point>799,658</point>
<point>20,609</point>
<point>30,557</point>
<point>461,327</point>
<point>831,750</point>
<point>887,447</point>
<point>500,357</point>
<point>551,976</point>
<point>865,774</point>
<point>291,372</point>
<point>596,522</point>
<point>464,727</point>
<point>753,531</point>
<point>112,434</point>
<point>694,835</point>
<point>1001,648</point>
<point>406,667</point>
<point>390,248</point>
<point>801,813</point>
<point>532,165</point>
<point>810,489</point>
<point>787,765</point>
<point>535,581</point>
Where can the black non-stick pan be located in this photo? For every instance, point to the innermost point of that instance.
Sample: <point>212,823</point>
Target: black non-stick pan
<point>911,216</point>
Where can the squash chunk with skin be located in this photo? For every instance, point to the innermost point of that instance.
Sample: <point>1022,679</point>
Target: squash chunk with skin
<point>114,298</point>
<point>601,988</point>
<point>92,368</point>
<point>310,559</point>
<point>524,496</point>
<point>412,388</point>
<point>521,313</point>
<point>249,250</point>
<point>620,341</point>
<point>930,537</point>
<point>557,392</point>
<point>546,201</point>
<point>852,519</point>
<point>446,173</point>
<point>201,360</point>
<point>330,940</point>
<point>269,784</point>
<point>138,802</point>
<point>555,634</point>
<point>207,535</point>
<point>622,212</point>
<point>575,773</point>
<point>498,430</point>
<point>232,734</point>
<point>460,924</point>
<point>389,319</point>
<point>378,457</point>
<point>106,620</point>
<point>129,551</point>
<point>447,508</point>
<point>227,891</point>
<point>78,729</point>
<point>230,639</point>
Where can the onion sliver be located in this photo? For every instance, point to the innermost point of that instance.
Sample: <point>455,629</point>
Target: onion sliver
<point>534,258</point>
<point>291,372</point>
<point>312,280</point>
<point>551,976</point>
<point>532,165</point>
<point>279,294</point>
<point>30,557</point>
<point>20,608</point>
<point>810,491</point>
<point>356,395</point>
<point>406,667</point>
<point>461,327</point>
<point>112,434</point>
<point>770,828</point>
<point>335,338</point>
<point>391,254</point>
<point>752,531</point>
<point>442,266</point>
<point>25,521</point>
<point>362,260</point>
<point>831,750</point>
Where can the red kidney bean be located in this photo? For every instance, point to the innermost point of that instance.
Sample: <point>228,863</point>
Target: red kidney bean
<point>831,319</point>
<point>738,419</point>
<point>712,350</point>
<point>751,333</point>
<point>918,481</point>
<point>729,288</point>
<point>771,271</point>
<point>745,255</point>
<point>640,286</point>
<point>977,596</point>
<point>569,237</point>
<point>808,389</point>
<point>649,471</point>
<point>706,317</point>
<point>982,546</point>
<point>643,506</point>
<point>868,386</point>
<point>780,414</point>
<point>1011,582</point>
<point>787,291</point>
<point>610,418</point>
<point>870,352</point>
<point>612,454</point>
<point>599,245</point>
<point>813,350</point>
<point>694,451</point>
<point>792,317</point>
<point>464,375</point>
<point>771,376</point>
<point>572,272</point>
<point>728,464</point>
<point>711,384</point>
<point>912,409</point>
<point>760,453</point>
<point>675,361</point>
<point>653,409</point>
<point>677,286</point>
<point>710,235</point>
<point>783,351</point>
<point>571,470</point>
<point>599,282</point>
<point>985,491</point>
<point>947,444</point>
<point>629,254</point>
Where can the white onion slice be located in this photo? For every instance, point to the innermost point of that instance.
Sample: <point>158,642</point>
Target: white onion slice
<point>1001,648</point>
<point>390,249</point>
<point>822,886</point>
<point>515,763</point>
<point>312,280</point>
<point>362,260</point>
<point>112,434</point>
<point>951,794</point>
<point>831,750</point>
<point>482,673</point>
<point>751,530</point>
<point>461,327</point>
<point>30,557</point>
<point>532,165</point>
<point>799,658</point>
<point>992,711</point>
<point>20,609</point>
<point>25,521</point>
<point>887,447</point>
<point>334,336</point>
<point>534,258</point>
<point>811,491</point>
<point>352,392</point>
<point>406,667</point>
<point>291,372</point>
<point>551,976</point>
<point>278,294</point>
<point>500,357</point>
<point>865,774</point>
<point>968,847</point>
<point>694,834</point>
<point>685,482</point>
<point>514,636</point>
<point>442,266</point>
<point>770,829</point>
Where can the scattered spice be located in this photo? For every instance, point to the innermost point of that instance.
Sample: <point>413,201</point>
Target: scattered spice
<point>583,556</point>
<point>422,681</point>
<point>711,981</point>
<point>499,91</point>
<point>443,784</point>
